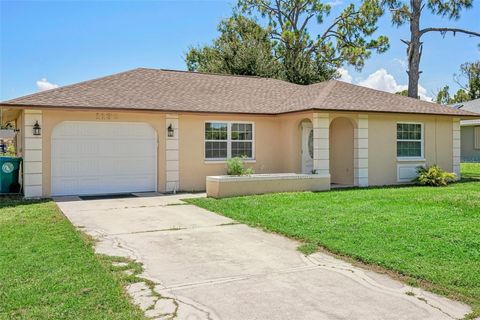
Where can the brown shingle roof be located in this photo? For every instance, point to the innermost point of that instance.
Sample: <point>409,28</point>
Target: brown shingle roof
<point>167,90</point>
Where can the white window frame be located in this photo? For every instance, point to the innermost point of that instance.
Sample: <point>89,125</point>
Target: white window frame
<point>210,140</point>
<point>476,138</point>
<point>422,142</point>
<point>229,141</point>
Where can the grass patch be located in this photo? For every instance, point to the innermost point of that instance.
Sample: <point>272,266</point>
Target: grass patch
<point>428,235</point>
<point>471,171</point>
<point>307,248</point>
<point>48,270</point>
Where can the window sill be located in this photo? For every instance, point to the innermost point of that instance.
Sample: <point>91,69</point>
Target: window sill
<point>411,160</point>
<point>225,161</point>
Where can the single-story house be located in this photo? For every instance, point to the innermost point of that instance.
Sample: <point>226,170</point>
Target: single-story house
<point>470,132</point>
<point>163,130</point>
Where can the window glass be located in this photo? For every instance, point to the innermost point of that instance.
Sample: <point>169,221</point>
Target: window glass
<point>409,140</point>
<point>310,143</point>
<point>215,150</point>
<point>215,131</point>
<point>242,131</point>
<point>241,149</point>
<point>225,140</point>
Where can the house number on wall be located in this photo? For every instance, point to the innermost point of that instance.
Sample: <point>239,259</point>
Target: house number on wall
<point>106,116</point>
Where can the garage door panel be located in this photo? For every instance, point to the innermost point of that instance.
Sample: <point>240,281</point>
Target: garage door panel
<point>132,184</point>
<point>65,186</point>
<point>100,158</point>
<point>65,148</point>
<point>68,167</point>
<point>129,167</point>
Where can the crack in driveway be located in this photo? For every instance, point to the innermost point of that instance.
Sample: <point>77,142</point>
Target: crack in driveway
<point>174,229</point>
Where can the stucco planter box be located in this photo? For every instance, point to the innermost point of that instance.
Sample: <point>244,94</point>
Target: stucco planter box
<point>231,186</point>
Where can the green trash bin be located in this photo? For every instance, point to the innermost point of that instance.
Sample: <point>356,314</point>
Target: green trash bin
<point>9,171</point>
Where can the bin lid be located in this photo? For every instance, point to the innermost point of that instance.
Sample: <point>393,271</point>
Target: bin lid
<point>6,158</point>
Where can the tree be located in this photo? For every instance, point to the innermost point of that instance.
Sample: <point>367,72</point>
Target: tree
<point>310,58</point>
<point>468,91</point>
<point>471,72</point>
<point>410,12</point>
<point>443,96</point>
<point>243,48</point>
<point>461,96</point>
<point>298,56</point>
<point>402,93</point>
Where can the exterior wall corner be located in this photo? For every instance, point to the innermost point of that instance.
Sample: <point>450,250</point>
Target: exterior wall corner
<point>456,147</point>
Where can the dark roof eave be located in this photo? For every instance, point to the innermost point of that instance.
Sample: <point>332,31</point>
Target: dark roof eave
<point>79,108</point>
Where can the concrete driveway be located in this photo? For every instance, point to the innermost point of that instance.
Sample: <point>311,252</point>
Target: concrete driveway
<point>206,266</point>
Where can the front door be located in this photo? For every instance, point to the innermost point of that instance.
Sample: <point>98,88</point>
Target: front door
<point>307,148</point>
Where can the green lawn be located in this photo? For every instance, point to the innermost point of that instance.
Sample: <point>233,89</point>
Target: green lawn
<point>471,171</point>
<point>430,235</point>
<point>49,271</point>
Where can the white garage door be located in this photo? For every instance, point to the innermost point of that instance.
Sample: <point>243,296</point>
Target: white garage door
<point>103,158</point>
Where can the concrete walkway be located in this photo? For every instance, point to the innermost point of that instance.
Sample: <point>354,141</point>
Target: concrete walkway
<point>206,266</point>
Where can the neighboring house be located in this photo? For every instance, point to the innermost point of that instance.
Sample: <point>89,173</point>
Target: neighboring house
<point>7,137</point>
<point>470,132</point>
<point>161,130</point>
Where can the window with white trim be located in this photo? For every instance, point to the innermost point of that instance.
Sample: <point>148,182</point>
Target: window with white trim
<point>225,140</point>
<point>476,131</point>
<point>409,140</point>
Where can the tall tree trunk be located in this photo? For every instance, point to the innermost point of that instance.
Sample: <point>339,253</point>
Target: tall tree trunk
<point>414,50</point>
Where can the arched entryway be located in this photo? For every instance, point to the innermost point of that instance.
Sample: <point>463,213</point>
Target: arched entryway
<point>342,151</point>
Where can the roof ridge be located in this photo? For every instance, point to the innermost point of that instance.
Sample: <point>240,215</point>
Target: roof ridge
<point>224,75</point>
<point>325,91</point>
<point>69,85</point>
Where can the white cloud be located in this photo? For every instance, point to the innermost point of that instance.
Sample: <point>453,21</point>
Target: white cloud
<point>335,3</point>
<point>43,85</point>
<point>344,75</point>
<point>401,62</point>
<point>382,80</point>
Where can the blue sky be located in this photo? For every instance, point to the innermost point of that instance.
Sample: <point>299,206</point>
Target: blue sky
<point>45,43</point>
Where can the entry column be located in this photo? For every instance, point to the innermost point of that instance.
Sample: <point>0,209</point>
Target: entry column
<point>361,151</point>
<point>321,146</point>
<point>172,153</point>
<point>32,155</point>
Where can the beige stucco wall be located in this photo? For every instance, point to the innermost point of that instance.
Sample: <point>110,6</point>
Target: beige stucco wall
<point>277,142</point>
<point>291,140</point>
<point>382,154</point>
<point>194,168</point>
<point>341,150</point>
<point>53,117</point>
